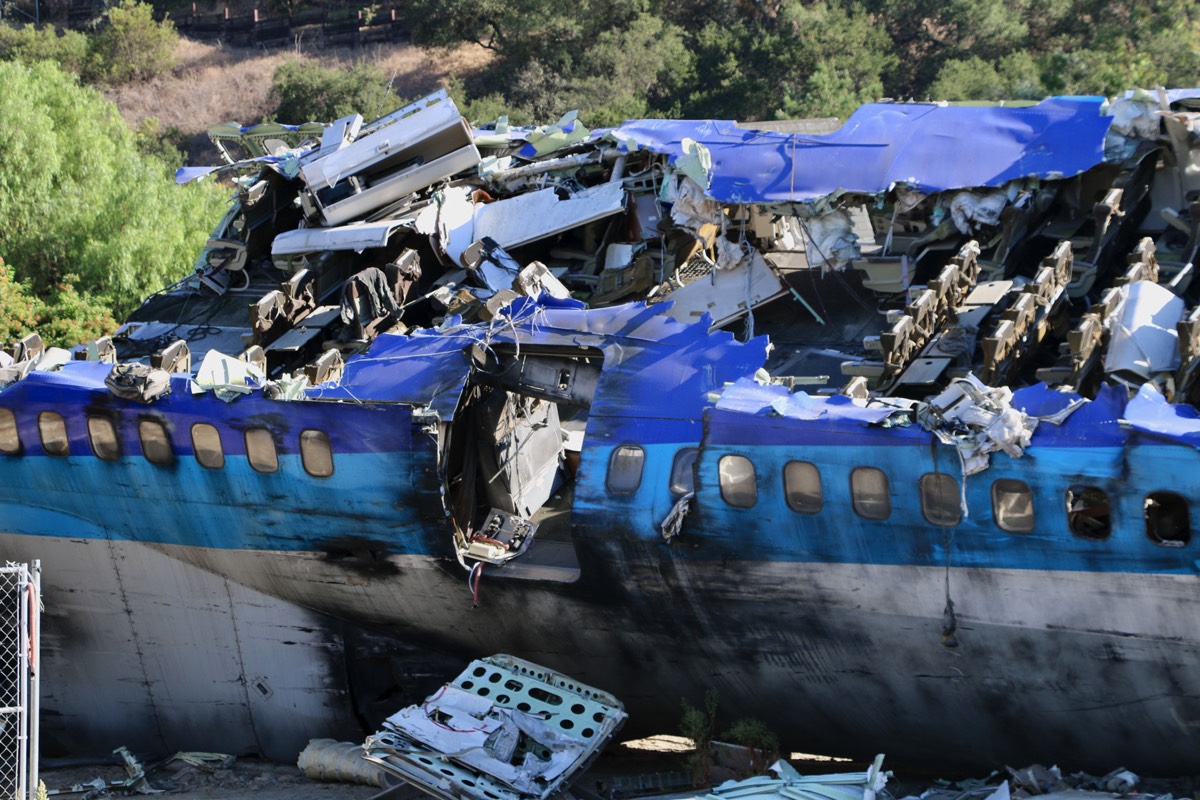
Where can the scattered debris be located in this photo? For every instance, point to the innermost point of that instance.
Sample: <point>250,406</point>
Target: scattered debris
<point>504,728</point>
<point>331,760</point>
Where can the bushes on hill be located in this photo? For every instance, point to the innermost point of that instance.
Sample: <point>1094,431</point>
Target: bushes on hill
<point>130,46</point>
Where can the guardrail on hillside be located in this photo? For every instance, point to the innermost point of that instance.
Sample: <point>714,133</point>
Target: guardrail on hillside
<point>256,29</point>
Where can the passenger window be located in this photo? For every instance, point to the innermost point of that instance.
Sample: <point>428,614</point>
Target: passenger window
<point>1167,522</point>
<point>103,435</point>
<point>869,493</point>
<point>206,445</point>
<point>316,453</point>
<point>1088,513</point>
<point>53,431</point>
<point>940,501</point>
<point>682,472</point>
<point>260,450</point>
<point>625,469</point>
<point>738,487</point>
<point>156,445</point>
<point>1012,505</point>
<point>802,487</point>
<point>10,441</point>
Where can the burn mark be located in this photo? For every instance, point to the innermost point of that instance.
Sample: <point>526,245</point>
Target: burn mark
<point>361,556</point>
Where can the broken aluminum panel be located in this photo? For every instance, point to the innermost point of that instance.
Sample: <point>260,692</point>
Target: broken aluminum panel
<point>357,236</point>
<point>1144,339</point>
<point>429,144</point>
<point>494,268</point>
<point>724,294</point>
<point>978,420</point>
<point>459,222</point>
<point>380,143</point>
<point>505,729</point>
<point>791,785</point>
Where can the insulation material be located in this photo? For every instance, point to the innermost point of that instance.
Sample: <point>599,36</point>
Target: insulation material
<point>973,210</point>
<point>691,208</point>
<point>1144,340</point>
<point>832,242</point>
<point>521,447</point>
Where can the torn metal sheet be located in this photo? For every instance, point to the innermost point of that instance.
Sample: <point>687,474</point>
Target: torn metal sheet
<point>228,377</point>
<point>459,221</point>
<point>356,236</point>
<point>1144,336</point>
<point>722,294</point>
<point>407,151</point>
<point>503,729</point>
<point>978,420</point>
<point>931,148</point>
<point>789,784</point>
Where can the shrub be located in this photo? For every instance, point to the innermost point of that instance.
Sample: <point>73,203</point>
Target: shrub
<point>307,92</point>
<point>132,46</point>
<point>29,45</point>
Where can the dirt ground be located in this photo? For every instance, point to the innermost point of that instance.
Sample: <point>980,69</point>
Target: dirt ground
<point>269,781</point>
<point>630,769</point>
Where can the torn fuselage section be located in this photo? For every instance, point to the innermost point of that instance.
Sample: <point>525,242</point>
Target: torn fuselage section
<point>505,729</point>
<point>513,447</point>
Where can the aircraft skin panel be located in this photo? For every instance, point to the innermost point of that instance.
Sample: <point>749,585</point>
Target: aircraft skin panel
<point>863,647</point>
<point>143,650</point>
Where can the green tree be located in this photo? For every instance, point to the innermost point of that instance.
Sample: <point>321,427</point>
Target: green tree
<point>1013,77</point>
<point>927,34</point>
<point>840,57</point>
<point>520,31</point>
<point>132,46</point>
<point>76,196</point>
<point>63,317</point>
<point>20,309</point>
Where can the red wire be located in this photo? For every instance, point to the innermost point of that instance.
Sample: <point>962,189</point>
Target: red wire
<point>478,578</point>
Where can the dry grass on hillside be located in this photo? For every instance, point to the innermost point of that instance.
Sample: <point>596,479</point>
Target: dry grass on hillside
<point>214,84</point>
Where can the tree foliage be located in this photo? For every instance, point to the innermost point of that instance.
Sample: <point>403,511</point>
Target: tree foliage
<point>794,58</point>
<point>62,316</point>
<point>29,45</point>
<point>78,199</point>
<point>132,45</point>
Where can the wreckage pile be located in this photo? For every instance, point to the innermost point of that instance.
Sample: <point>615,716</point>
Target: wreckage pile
<point>996,263</point>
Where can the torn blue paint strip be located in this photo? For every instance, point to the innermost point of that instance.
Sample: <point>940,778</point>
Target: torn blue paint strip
<point>748,397</point>
<point>929,147</point>
<point>1149,412</point>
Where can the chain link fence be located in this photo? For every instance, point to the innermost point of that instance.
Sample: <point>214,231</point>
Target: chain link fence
<point>20,617</point>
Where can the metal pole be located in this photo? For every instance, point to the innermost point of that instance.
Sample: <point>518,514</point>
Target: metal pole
<point>22,598</point>
<point>35,693</point>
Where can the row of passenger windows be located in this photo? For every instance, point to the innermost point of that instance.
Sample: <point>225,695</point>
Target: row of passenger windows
<point>315,450</point>
<point>1088,508</point>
